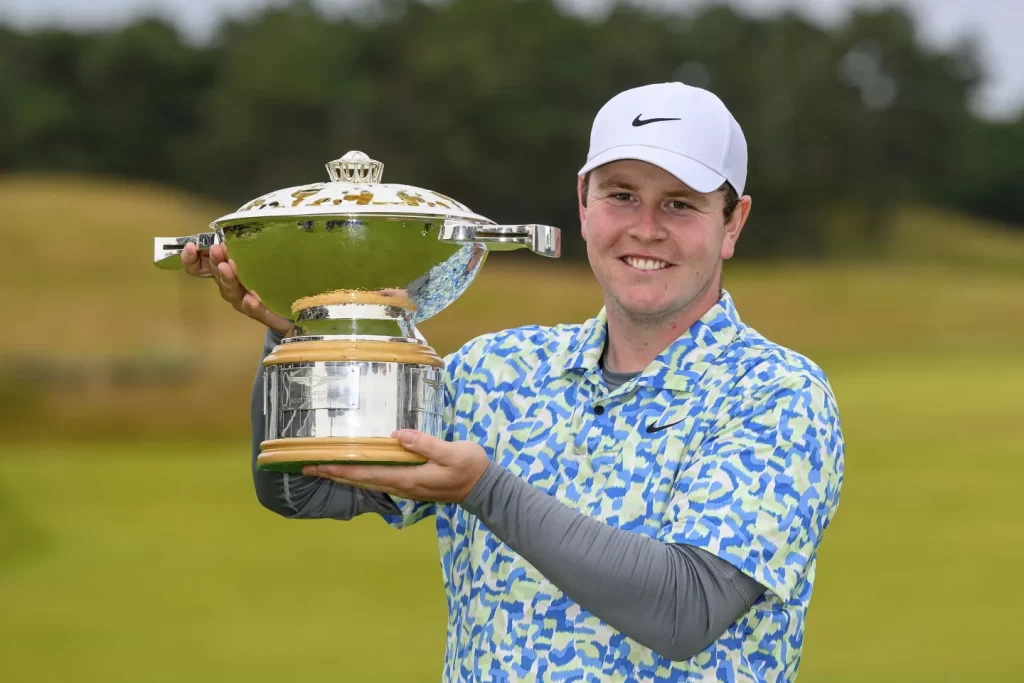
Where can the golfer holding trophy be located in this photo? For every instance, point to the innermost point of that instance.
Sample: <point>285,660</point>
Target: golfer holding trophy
<point>637,497</point>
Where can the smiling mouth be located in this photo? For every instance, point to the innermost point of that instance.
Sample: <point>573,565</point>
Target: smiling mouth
<point>645,264</point>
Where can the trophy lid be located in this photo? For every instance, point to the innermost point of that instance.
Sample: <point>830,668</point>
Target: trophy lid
<point>354,187</point>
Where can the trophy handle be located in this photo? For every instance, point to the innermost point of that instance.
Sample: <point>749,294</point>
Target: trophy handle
<point>540,239</point>
<point>167,250</point>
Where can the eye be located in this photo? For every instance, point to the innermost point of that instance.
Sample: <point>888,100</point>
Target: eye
<point>679,205</point>
<point>622,196</point>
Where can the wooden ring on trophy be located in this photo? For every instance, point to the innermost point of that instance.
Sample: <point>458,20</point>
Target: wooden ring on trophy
<point>291,455</point>
<point>382,297</point>
<point>344,350</point>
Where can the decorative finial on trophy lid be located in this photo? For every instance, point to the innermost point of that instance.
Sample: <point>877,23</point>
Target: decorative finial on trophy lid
<point>355,167</point>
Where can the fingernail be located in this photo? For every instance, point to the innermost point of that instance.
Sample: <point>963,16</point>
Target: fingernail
<point>406,437</point>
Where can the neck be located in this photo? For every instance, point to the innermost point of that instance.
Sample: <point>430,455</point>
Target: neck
<point>634,342</point>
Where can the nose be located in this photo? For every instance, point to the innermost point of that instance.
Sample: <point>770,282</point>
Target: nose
<point>647,227</point>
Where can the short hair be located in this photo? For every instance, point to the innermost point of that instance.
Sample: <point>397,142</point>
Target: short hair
<point>732,198</point>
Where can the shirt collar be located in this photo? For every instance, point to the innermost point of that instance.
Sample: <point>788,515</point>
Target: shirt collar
<point>681,364</point>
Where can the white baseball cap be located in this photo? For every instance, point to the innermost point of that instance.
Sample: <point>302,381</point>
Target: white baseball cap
<point>684,130</point>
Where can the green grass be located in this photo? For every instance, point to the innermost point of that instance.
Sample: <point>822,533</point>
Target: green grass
<point>132,547</point>
<point>916,576</point>
<point>155,562</point>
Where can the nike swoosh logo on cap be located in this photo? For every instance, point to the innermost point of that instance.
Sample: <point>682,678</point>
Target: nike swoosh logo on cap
<point>637,122</point>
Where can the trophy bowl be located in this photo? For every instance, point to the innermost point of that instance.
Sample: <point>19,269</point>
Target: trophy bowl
<point>355,263</point>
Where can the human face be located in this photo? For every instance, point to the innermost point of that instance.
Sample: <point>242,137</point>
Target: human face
<point>655,245</point>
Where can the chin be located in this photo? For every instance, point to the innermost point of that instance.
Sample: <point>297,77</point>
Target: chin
<point>646,308</point>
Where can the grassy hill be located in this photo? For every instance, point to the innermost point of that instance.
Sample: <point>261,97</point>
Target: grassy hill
<point>131,547</point>
<point>124,341</point>
<point>79,278</point>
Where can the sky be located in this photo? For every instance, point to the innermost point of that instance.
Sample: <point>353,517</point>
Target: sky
<point>996,25</point>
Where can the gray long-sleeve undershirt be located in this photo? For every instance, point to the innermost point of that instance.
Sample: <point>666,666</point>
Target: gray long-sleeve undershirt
<point>674,598</point>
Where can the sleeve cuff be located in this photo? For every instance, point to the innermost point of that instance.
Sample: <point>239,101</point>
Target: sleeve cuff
<point>781,583</point>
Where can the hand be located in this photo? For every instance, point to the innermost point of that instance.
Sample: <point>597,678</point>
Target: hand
<point>450,473</point>
<point>216,264</point>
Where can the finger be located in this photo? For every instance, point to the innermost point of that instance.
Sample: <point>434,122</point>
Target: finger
<point>425,444</point>
<point>314,471</point>
<point>229,273</point>
<point>210,264</point>
<point>230,288</point>
<point>254,308</point>
<point>189,254</point>
<point>218,253</point>
<point>226,273</point>
<point>392,478</point>
<point>215,256</point>
<point>354,473</point>
<point>192,261</point>
<point>204,265</point>
<point>251,307</point>
<point>369,487</point>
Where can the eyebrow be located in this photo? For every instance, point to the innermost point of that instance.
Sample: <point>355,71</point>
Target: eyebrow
<point>615,182</point>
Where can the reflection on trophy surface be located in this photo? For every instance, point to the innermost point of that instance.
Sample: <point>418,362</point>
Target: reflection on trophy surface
<point>356,263</point>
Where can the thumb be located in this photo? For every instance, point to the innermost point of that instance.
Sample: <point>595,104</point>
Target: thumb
<point>424,444</point>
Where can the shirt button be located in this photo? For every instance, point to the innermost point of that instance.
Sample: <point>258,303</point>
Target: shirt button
<point>599,410</point>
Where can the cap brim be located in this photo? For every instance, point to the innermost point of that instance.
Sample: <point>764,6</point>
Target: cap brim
<point>693,173</point>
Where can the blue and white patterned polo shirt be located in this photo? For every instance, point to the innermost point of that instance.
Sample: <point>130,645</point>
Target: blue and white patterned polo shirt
<point>750,470</point>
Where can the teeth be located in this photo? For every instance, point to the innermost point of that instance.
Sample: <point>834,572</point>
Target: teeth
<point>645,263</point>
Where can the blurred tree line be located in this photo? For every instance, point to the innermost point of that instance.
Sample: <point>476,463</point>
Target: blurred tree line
<point>491,102</point>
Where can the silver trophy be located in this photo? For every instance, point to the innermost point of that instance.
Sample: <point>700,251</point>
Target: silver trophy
<point>356,264</point>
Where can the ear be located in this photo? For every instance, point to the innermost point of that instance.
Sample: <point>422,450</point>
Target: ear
<point>582,207</point>
<point>735,226</point>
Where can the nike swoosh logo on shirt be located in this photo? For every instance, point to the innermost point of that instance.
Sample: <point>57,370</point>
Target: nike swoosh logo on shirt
<point>637,122</point>
<point>651,429</point>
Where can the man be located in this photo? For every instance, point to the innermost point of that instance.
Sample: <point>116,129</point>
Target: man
<point>640,497</point>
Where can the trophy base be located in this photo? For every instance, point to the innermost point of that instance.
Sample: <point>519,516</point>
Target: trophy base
<point>291,455</point>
